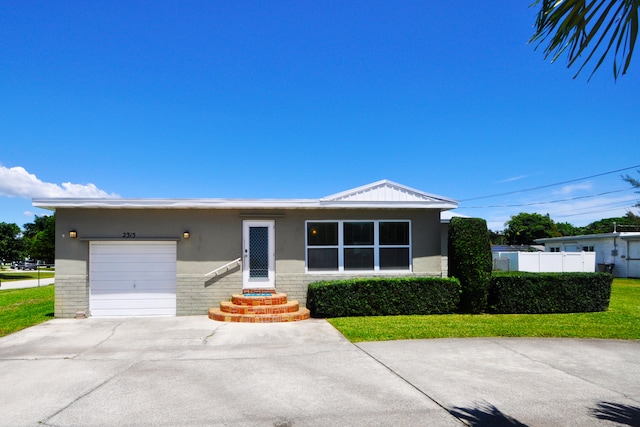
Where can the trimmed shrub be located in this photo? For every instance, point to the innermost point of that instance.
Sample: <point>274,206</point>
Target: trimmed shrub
<point>383,296</point>
<point>535,293</point>
<point>470,261</point>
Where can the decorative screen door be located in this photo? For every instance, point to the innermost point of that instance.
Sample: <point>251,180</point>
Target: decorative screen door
<point>258,254</point>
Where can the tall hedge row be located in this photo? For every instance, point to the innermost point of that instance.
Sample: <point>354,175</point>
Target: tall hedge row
<point>470,261</point>
<point>531,293</point>
<point>383,297</point>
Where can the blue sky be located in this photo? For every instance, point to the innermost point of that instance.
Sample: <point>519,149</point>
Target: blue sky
<point>297,99</point>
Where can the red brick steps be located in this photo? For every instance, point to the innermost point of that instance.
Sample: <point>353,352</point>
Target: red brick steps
<point>259,308</point>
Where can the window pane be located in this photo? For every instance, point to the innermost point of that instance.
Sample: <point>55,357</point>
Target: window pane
<point>322,259</point>
<point>322,233</point>
<point>394,233</point>
<point>394,258</point>
<point>358,259</point>
<point>358,233</point>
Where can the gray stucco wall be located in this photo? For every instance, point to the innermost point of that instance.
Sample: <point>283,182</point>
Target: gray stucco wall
<point>216,239</point>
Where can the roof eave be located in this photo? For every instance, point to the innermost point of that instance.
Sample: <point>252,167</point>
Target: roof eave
<point>53,204</point>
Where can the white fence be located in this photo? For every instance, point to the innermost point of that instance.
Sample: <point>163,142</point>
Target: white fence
<point>545,262</point>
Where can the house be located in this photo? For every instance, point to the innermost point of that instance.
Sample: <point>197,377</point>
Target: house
<point>617,252</point>
<point>165,257</point>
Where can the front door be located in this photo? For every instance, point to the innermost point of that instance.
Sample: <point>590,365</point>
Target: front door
<point>258,254</point>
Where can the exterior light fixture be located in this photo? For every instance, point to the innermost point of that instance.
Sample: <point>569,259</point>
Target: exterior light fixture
<point>73,234</point>
<point>186,235</point>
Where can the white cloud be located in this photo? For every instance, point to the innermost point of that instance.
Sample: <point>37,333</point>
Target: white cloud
<point>17,182</point>
<point>568,189</point>
<point>513,178</point>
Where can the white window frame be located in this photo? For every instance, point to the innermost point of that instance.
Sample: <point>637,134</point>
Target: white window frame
<point>341,247</point>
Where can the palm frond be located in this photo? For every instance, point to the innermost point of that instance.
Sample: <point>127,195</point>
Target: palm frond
<point>586,29</point>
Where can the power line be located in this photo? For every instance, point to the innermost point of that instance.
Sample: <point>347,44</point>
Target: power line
<point>588,213</point>
<point>609,206</point>
<point>549,185</point>
<point>546,203</point>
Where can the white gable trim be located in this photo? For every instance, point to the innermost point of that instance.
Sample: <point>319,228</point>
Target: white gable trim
<point>385,191</point>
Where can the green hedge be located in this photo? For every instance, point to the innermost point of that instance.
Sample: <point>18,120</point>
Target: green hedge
<point>470,261</point>
<point>383,297</point>
<point>532,293</point>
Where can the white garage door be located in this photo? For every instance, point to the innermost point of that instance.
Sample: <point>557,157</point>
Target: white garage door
<point>132,278</point>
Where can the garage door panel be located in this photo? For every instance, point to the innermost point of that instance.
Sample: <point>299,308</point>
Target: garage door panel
<point>132,278</point>
<point>140,270</point>
<point>133,259</point>
<point>132,284</point>
<point>130,258</point>
<point>122,294</point>
<point>125,299</point>
<point>133,312</point>
<point>131,247</point>
<point>103,287</point>
<point>130,304</point>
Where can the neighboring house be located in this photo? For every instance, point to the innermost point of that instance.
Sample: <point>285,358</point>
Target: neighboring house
<point>146,257</point>
<point>617,252</point>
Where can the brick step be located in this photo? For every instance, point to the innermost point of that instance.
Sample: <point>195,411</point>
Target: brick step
<point>263,291</point>
<point>219,315</point>
<point>287,307</point>
<point>262,299</point>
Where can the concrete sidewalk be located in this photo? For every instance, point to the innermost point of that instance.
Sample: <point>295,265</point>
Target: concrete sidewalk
<point>191,371</point>
<point>20,284</point>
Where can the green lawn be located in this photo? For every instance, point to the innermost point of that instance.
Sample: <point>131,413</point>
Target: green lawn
<point>21,308</point>
<point>621,321</point>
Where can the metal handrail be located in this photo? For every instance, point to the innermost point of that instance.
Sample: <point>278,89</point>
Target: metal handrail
<point>225,267</point>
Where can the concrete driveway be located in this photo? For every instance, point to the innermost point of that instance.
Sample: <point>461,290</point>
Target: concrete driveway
<point>191,371</point>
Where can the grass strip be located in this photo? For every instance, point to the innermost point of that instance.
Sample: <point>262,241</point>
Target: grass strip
<point>22,308</point>
<point>620,321</point>
<point>31,275</point>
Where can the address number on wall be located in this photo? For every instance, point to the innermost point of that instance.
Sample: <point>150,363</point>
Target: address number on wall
<point>128,235</point>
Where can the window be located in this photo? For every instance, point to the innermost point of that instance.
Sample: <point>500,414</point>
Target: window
<point>394,245</point>
<point>554,249</point>
<point>587,249</point>
<point>358,245</point>
<point>322,243</point>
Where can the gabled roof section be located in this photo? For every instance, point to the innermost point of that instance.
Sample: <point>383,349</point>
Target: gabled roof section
<point>378,195</point>
<point>385,191</point>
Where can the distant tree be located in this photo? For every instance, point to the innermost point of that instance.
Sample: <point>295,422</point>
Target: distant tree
<point>566,229</point>
<point>634,183</point>
<point>525,228</point>
<point>588,29</point>
<point>40,238</point>
<point>497,237</point>
<point>606,225</point>
<point>10,242</point>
